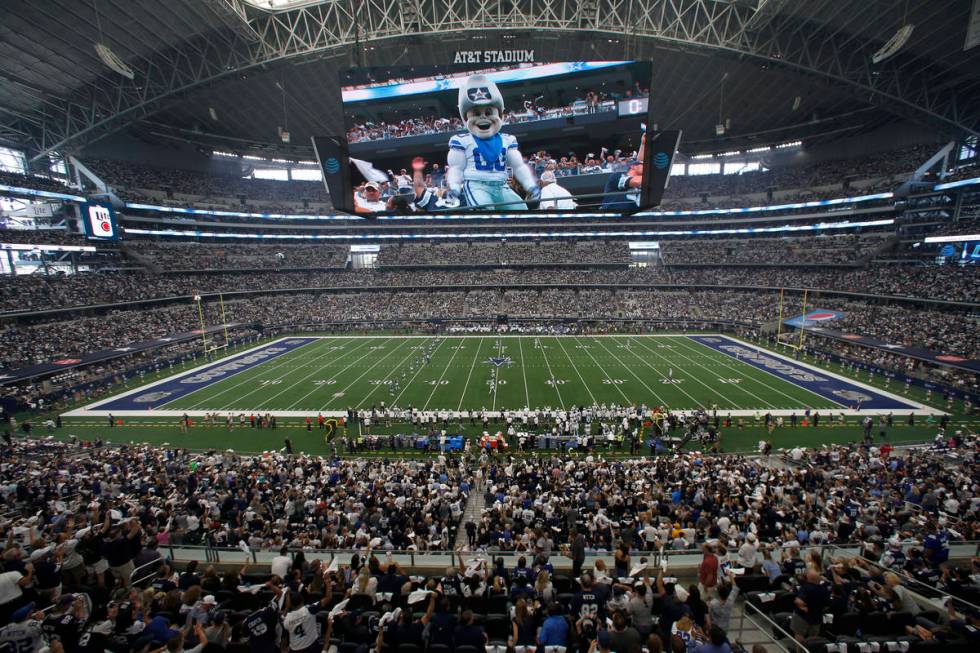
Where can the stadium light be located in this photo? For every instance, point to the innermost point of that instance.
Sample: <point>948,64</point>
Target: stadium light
<point>894,44</point>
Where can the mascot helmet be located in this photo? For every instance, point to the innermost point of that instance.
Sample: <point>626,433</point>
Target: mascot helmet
<point>479,91</point>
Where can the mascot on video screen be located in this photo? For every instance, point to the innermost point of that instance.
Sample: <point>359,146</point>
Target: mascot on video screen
<point>478,160</point>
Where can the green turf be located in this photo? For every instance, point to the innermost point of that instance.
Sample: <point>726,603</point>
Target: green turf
<point>622,369</point>
<point>334,373</point>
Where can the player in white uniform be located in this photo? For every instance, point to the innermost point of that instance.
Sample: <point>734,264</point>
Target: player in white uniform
<point>478,160</point>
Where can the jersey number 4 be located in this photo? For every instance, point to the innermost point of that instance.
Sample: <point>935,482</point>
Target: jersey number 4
<point>487,166</point>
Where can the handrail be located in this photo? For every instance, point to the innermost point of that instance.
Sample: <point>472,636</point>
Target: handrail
<point>797,646</point>
<point>213,553</point>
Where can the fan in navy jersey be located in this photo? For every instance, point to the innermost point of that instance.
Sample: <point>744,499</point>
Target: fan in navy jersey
<point>263,626</point>
<point>66,620</point>
<point>263,629</point>
<point>587,603</point>
<point>96,639</point>
<point>935,546</point>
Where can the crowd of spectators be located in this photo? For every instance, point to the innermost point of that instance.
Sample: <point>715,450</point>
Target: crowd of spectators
<point>529,110</point>
<point>823,348</point>
<point>40,237</point>
<point>931,329</point>
<point>811,177</point>
<point>37,182</point>
<point>72,336</point>
<point>85,567</point>
<point>68,335</point>
<point>127,176</point>
<point>852,495</point>
<point>201,256</point>
<point>831,250</point>
<point>506,253</point>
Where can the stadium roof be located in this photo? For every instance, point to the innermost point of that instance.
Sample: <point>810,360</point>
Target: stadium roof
<point>215,71</point>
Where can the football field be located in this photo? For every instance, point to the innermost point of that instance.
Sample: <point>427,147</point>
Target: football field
<point>306,375</point>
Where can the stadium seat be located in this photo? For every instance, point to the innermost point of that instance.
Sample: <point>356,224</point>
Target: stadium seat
<point>498,627</point>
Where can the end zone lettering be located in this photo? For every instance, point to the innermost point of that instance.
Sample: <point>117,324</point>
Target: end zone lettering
<point>494,56</point>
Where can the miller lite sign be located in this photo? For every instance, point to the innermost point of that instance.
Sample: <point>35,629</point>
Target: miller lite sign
<point>100,221</point>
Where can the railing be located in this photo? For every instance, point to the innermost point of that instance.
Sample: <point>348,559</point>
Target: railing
<point>762,623</point>
<point>676,558</point>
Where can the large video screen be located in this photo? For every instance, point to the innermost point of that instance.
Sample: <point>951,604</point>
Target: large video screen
<point>549,137</point>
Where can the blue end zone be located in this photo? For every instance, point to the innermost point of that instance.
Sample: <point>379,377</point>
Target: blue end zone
<point>154,396</point>
<point>837,390</point>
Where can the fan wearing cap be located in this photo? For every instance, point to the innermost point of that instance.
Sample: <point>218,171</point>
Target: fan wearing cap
<point>478,160</point>
<point>368,199</point>
<point>24,632</point>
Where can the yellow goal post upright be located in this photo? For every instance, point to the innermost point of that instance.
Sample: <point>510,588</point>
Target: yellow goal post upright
<point>790,339</point>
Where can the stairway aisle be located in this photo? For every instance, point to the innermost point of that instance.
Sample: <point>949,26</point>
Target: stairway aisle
<point>472,512</point>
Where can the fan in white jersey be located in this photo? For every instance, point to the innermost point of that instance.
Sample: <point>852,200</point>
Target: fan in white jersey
<point>300,622</point>
<point>478,160</point>
<point>24,633</point>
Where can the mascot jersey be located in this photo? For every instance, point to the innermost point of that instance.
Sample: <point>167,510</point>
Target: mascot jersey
<point>486,158</point>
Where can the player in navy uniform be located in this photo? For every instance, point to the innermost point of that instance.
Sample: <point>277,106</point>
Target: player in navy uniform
<point>476,166</point>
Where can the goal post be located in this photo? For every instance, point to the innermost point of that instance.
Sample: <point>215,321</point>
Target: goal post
<point>791,339</point>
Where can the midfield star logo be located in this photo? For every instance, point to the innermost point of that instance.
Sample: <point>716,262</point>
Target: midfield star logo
<point>498,361</point>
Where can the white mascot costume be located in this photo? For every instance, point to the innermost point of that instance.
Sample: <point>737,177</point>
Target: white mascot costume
<point>478,160</point>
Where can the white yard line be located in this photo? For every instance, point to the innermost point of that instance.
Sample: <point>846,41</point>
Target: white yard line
<point>527,396</point>
<point>697,404</point>
<point>194,370</point>
<point>364,373</point>
<point>496,376</point>
<point>637,376</point>
<point>279,363</point>
<point>885,393</point>
<point>414,376</point>
<point>313,360</point>
<point>445,369</point>
<point>717,392</point>
<point>724,362</point>
<point>554,381</point>
<point>466,385</point>
<point>604,372</point>
<point>394,369</point>
<point>575,367</point>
